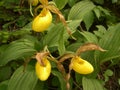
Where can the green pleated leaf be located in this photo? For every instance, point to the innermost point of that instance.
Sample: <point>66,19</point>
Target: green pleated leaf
<point>40,85</point>
<point>100,11</point>
<point>91,84</point>
<point>104,11</point>
<point>80,9</point>
<point>101,31</point>
<point>88,19</point>
<point>97,12</point>
<point>23,80</point>
<point>53,36</point>
<point>71,2</point>
<point>110,41</point>
<point>73,47</point>
<point>17,49</point>
<point>60,3</point>
<point>58,34</point>
<point>61,46</point>
<point>73,24</point>
<point>90,37</point>
<point>4,85</point>
<point>61,79</point>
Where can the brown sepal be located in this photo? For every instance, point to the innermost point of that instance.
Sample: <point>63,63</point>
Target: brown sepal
<point>39,56</point>
<point>88,47</point>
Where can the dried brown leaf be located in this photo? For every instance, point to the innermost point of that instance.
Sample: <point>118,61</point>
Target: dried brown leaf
<point>88,47</point>
<point>61,69</point>
<point>66,57</point>
<point>39,56</point>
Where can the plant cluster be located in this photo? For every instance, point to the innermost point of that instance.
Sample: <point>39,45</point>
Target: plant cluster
<point>59,45</point>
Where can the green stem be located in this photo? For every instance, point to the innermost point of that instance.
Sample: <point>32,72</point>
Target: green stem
<point>31,10</point>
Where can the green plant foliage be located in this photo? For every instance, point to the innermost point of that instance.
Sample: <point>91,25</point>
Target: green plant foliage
<point>40,86</point>
<point>80,9</point>
<point>119,81</point>
<point>114,1</point>
<point>90,37</point>
<point>88,19</point>
<point>97,12</point>
<point>17,49</point>
<point>61,79</point>
<point>91,84</point>
<point>4,85</point>
<point>51,39</point>
<point>5,73</point>
<point>75,23</point>
<point>23,80</point>
<point>71,2</point>
<point>100,32</point>
<point>99,1</point>
<point>60,3</point>
<point>107,74</point>
<point>83,10</point>
<point>110,42</point>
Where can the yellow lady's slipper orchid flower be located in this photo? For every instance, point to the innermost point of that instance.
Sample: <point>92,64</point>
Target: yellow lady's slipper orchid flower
<point>42,21</point>
<point>81,66</point>
<point>43,72</point>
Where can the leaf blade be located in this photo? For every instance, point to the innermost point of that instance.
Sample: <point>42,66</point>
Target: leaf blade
<point>80,9</point>
<point>109,42</point>
<point>60,3</point>
<point>23,80</point>
<point>91,84</point>
<point>61,79</point>
<point>17,49</point>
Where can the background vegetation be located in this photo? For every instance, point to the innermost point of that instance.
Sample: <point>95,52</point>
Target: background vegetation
<point>94,21</point>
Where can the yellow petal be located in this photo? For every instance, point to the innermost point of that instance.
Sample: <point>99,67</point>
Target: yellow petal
<point>43,72</point>
<point>42,21</point>
<point>81,66</point>
<point>44,2</point>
